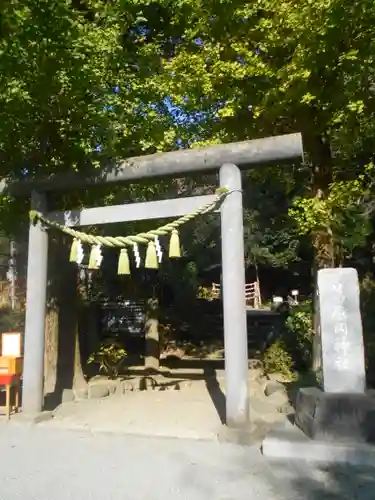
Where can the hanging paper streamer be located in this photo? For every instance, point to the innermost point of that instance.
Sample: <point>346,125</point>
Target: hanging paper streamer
<point>74,251</point>
<point>92,259</point>
<point>80,252</point>
<point>137,257</point>
<point>123,262</point>
<point>99,255</point>
<point>174,245</point>
<point>159,251</point>
<point>96,257</point>
<point>151,261</point>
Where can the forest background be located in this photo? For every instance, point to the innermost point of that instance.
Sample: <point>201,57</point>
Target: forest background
<point>83,82</point>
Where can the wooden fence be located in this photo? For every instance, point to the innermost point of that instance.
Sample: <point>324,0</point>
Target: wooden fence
<point>252,294</point>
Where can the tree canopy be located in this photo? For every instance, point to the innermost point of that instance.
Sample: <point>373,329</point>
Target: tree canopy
<point>82,81</point>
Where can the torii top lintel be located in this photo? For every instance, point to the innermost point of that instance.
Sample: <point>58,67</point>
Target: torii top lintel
<point>245,154</point>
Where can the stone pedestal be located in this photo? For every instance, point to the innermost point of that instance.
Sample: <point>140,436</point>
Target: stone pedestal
<point>338,417</point>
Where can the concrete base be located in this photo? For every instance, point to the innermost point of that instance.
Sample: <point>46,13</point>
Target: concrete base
<point>288,441</point>
<point>29,419</point>
<point>246,436</point>
<point>343,417</point>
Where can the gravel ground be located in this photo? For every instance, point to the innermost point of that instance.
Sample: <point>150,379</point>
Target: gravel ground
<point>51,464</point>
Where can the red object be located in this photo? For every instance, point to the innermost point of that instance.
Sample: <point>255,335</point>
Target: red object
<point>8,379</point>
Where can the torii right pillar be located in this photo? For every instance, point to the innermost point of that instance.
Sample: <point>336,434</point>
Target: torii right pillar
<point>234,305</point>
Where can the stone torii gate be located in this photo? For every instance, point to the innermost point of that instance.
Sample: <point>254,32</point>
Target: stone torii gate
<point>228,159</point>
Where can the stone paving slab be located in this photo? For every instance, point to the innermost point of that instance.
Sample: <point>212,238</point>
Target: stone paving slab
<point>287,441</point>
<point>193,413</point>
<point>184,414</point>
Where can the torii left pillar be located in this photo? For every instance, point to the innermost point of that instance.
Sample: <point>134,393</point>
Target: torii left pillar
<point>33,372</point>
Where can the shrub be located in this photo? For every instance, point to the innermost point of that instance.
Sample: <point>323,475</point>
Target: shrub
<point>299,335</point>
<point>277,359</point>
<point>293,349</point>
<point>205,293</point>
<point>109,358</point>
<point>368,320</point>
<point>11,320</point>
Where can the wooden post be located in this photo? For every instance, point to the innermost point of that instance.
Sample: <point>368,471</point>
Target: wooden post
<point>234,302</point>
<point>33,373</point>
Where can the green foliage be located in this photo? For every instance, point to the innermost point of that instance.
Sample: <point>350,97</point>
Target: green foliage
<point>341,213</point>
<point>293,350</point>
<point>299,335</point>
<point>205,293</point>
<point>110,358</point>
<point>271,237</point>
<point>277,359</point>
<point>367,287</point>
<point>11,320</point>
<point>85,82</point>
<point>72,94</point>
<point>268,67</point>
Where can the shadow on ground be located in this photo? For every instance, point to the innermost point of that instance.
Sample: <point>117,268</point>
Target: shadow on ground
<point>303,480</point>
<point>337,482</point>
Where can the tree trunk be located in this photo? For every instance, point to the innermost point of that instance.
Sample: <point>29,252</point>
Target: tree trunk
<point>323,241</point>
<point>152,344</point>
<point>51,349</point>
<point>316,345</point>
<point>320,153</point>
<point>64,374</point>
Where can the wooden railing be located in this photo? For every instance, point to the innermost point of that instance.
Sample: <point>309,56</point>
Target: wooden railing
<point>252,294</point>
<point>216,291</point>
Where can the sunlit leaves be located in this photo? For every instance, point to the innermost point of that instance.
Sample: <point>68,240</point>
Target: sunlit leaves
<point>344,212</point>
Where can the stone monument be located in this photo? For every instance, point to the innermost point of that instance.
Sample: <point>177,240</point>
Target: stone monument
<point>340,409</point>
<point>343,358</point>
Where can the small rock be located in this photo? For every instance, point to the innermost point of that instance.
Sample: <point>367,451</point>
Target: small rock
<point>99,378</point>
<point>255,373</point>
<point>278,399</point>
<point>118,388</point>
<point>127,385</point>
<point>276,377</point>
<point>286,409</point>
<point>262,406</point>
<point>146,383</point>
<point>112,388</point>
<point>255,364</point>
<point>98,391</point>
<point>273,387</point>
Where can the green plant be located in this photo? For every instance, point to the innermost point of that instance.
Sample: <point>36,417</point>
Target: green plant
<point>277,359</point>
<point>299,334</point>
<point>367,288</point>
<point>205,293</point>
<point>109,358</point>
<point>11,320</point>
